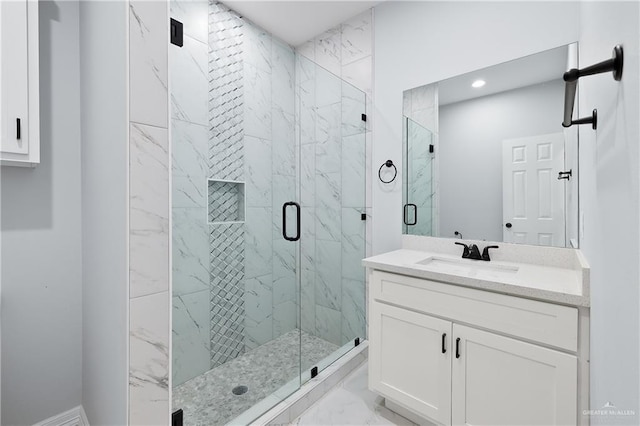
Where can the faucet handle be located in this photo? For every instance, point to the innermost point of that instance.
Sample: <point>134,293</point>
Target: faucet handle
<point>465,253</point>
<point>485,252</point>
<point>474,252</point>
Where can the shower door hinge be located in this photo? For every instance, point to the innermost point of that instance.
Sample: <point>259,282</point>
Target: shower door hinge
<point>176,32</point>
<point>364,117</point>
<point>177,418</point>
<point>363,216</point>
<point>314,372</point>
<point>356,341</point>
<point>431,149</point>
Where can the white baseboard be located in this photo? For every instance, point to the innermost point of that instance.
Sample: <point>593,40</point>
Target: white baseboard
<point>74,417</point>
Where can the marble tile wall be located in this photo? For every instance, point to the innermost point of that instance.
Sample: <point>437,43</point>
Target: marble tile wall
<point>420,105</point>
<point>149,177</point>
<point>190,169</point>
<point>270,173</point>
<point>333,197</point>
<point>346,51</point>
<point>419,177</point>
<point>245,130</point>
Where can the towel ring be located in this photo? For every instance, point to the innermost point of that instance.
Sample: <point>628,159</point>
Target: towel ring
<point>388,163</point>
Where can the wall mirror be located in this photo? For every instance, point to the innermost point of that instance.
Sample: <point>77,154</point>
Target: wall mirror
<point>485,155</point>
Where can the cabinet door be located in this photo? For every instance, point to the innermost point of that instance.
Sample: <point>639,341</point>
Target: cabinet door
<point>410,360</point>
<point>14,74</point>
<point>502,381</point>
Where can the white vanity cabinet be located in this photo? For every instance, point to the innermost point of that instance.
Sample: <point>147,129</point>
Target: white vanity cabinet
<point>497,380</point>
<point>19,84</point>
<point>457,355</point>
<point>410,360</point>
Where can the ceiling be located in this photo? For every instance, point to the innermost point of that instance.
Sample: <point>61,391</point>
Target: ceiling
<point>538,68</point>
<point>296,22</point>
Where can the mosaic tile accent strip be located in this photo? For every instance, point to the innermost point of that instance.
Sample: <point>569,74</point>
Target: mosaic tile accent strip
<point>226,161</point>
<point>226,103</point>
<point>227,292</point>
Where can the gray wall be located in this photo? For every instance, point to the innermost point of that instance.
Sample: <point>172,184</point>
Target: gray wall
<point>471,135</point>
<point>103,66</point>
<point>610,161</point>
<point>453,38</point>
<point>41,242</point>
<point>610,200</point>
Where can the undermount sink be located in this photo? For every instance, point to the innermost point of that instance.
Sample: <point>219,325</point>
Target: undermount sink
<point>465,266</point>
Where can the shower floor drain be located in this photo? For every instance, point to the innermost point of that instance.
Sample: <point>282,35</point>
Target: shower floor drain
<point>240,390</point>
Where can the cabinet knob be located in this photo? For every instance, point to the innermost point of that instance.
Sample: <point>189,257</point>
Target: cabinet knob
<point>508,225</point>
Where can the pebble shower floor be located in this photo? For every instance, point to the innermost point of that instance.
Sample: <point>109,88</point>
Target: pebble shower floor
<point>209,399</point>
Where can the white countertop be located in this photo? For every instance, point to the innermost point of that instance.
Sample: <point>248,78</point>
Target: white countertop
<point>565,283</point>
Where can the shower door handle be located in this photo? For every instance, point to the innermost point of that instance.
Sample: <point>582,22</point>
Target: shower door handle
<point>284,221</point>
<point>406,216</point>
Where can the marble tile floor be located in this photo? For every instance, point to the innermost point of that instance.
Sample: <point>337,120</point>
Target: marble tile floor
<point>208,399</point>
<point>351,403</point>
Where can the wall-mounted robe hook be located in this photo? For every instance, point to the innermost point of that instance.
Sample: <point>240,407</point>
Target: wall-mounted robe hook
<point>613,65</point>
<point>388,163</point>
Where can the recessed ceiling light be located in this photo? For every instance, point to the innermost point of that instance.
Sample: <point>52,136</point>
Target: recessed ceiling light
<point>478,83</point>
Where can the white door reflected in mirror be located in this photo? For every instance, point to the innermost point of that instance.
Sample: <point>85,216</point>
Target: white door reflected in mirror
<point>533,198</point>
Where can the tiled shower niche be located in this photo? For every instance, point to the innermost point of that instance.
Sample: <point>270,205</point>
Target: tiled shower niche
<point>226,201</point>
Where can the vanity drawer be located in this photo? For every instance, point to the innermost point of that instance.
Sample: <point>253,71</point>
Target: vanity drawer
<point>542,322</point>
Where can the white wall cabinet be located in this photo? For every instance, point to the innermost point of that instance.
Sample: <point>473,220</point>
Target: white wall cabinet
<point>19,83</point>
<point>447,371</point>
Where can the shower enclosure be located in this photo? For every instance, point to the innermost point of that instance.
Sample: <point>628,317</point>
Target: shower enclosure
<point>268,211</point>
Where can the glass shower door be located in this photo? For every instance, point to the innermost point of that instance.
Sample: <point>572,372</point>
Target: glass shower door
<point>418,179</point>
<point>332,139</point>
<point>235,326</point>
